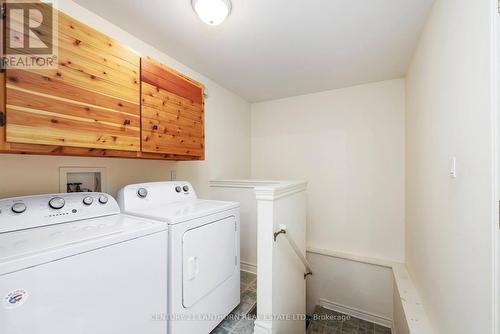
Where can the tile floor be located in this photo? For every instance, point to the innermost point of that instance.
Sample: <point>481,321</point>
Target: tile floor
<point>331,322</point>
<point>240,321</point>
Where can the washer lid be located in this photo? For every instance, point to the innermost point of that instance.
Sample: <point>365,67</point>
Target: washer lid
<point>25,248</point>
<point>184,210</point>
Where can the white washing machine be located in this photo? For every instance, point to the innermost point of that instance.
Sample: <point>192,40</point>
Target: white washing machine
<point>71,263</point>
<point>204,252</point>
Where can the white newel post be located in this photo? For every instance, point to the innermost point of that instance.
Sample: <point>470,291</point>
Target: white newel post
<point>281,287</point>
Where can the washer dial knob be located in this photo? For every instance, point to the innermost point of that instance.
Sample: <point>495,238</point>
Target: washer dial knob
<point>88,200</point>
<point>178,189</point>
<point>57,203</point>
<point>185,188</point>
<point>142,192</point>
<point>103,199</point>
<point>19,208</point>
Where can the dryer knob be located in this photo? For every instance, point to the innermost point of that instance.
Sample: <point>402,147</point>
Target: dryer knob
<point>185,188</point>
<point>19,208</point>
<point>178,189</point>
<point>103,199</point>
<point>57,203</point>
<point>142,192</point>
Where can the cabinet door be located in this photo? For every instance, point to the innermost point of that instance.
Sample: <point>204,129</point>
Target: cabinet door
<point>172,112</point>
<point>91,100</point>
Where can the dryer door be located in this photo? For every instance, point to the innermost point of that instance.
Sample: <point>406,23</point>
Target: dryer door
<point>209,258</point>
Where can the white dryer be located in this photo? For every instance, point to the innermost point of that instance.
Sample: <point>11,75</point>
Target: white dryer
<point>71,263</point>
<point>204,252</point>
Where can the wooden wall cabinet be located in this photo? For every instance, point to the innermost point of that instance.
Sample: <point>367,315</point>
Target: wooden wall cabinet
<point>94,103</point>
<point>91,100</point>
<point>172,111</point>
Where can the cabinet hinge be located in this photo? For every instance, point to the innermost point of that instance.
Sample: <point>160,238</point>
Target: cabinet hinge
<point>2,119</point>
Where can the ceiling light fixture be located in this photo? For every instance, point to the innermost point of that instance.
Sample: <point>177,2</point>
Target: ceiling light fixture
<point>212,12</point>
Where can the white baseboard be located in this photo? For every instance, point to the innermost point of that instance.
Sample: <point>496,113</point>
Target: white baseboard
<point>357,313</point>
<point>249,267</point>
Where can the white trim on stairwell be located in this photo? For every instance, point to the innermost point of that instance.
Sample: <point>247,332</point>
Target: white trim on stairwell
<point>412,307</point>
<point>248,267</point>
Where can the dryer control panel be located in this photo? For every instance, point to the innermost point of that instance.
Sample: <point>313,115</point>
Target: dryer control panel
<point>21,213</point>
<point>144,195</point>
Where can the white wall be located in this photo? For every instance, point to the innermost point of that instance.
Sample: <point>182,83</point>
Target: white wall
<point>26,174</point>
<point>450,221</point>
<point>349,145</point>
<point>227,137</point>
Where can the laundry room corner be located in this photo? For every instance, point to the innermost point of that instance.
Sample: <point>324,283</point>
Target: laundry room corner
<point>249,167</point>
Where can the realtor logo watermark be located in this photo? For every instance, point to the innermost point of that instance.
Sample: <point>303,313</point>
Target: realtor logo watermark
<point>30,36</point>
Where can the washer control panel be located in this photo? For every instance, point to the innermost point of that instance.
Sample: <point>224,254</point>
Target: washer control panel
<point>152,194</point>
<point>21,213</point>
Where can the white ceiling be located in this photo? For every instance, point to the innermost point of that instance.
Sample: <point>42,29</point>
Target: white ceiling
<point>269,49</point>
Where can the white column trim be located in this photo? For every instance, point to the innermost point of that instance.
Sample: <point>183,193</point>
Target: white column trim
<point>242,183</point>
<point>273,193</point>
<point>265,190</point>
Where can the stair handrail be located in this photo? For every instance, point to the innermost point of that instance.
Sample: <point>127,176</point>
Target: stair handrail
<point>283,230</point>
